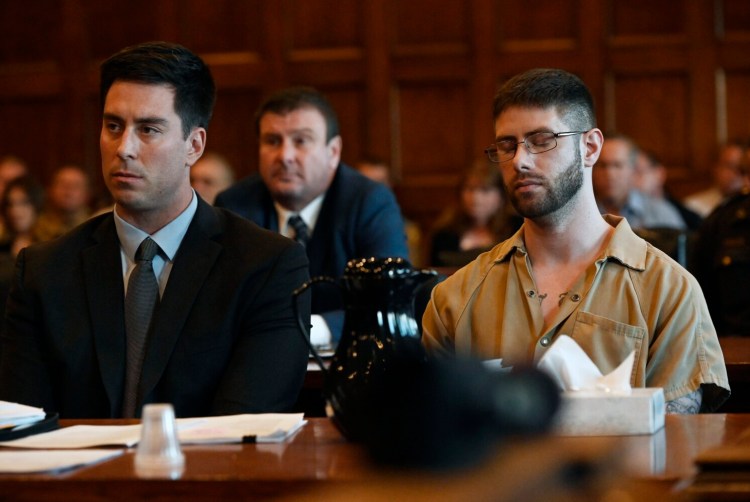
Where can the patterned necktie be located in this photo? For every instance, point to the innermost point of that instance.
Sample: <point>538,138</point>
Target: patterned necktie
<point>140,301</point>
<point>300,229</point>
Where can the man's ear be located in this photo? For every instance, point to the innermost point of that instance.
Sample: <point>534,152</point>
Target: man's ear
<point>593,141</point>
<point>196,144</point>
<point>334,151</point>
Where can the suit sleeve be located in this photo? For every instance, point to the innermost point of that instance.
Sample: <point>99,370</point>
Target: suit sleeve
<point>269,361</point>
<point>24,377</point>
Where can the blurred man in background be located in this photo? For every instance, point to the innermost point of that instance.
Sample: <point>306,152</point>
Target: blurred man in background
<point>211,175</point>
<point>615,189</point>
<point>651,179</point>
<point>728,180</point>
<point>67,204</point>
<point>305,192</point>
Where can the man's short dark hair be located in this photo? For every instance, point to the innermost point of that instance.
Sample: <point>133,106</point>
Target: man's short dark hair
<point>164,63</point>
<point>295,98</point>
<point>546,88</point>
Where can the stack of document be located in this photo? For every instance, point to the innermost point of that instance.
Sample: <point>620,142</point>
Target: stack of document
<point>14,414</point>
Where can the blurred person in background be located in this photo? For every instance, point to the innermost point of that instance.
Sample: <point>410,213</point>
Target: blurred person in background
<point>651,179</point>
<point>20,206</point>
<point>304,191</point>
<point>11,167</point>
<point>378,170</point>
<point>211,175</point>
<point>68,202</point>
<point>722,259</point>
<point>478,220</point>
<point>614,178</point>
<point>728,180</point>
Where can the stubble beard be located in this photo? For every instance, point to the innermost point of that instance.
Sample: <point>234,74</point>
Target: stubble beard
<point>557,195</point>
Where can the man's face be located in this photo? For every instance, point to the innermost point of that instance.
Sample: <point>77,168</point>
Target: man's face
<point>209,177</point>
<point>614,174</point>
<point>145,158</point>
<point>649,177</point>
<point>69,191</point>
<point>727,171</point>
<point>539,184</point>
<point>297,164</point>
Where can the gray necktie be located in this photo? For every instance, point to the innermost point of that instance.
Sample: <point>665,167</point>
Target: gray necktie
<point>140,301</point>
<point>301,234</point>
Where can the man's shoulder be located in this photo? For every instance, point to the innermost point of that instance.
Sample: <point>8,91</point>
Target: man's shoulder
<point>349,183</point>
<point>246,191</point>
<point>353,197</point>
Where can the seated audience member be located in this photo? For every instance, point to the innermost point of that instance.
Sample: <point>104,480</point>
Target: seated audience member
<point>68,202</point>
<point>614,179</point>
<point>164,299</point>
<point>728,180</point>
<point>477,221</point>
<point>20,206</point>
<point>378,170</point>
<point>651,179</point>
<point>11,167</point>
<point>722,261</point>
<point>211,175</point>
<point>571,270</point>
<point>305,192</point>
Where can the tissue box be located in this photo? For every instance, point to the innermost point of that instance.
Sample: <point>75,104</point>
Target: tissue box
<point>589,413</point>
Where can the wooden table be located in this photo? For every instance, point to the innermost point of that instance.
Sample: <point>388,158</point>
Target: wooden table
<point>318,458</point>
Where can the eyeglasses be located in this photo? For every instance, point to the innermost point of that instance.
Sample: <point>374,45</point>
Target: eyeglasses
<point>540,142</point>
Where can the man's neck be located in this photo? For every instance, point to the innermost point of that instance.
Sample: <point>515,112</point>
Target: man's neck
<point>569,239</point>
<point>153,221</point>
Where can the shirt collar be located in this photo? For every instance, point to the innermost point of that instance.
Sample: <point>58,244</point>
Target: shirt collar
<point>624,246</point>
<point>309,215</point>
<point>168,237</point>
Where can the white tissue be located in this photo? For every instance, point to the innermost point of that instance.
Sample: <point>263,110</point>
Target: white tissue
<point>573,370</point>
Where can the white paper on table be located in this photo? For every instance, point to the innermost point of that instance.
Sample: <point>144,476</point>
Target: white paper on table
<point>573,370</point>
<point>259,428</point>
<point>51,460</point>
<point>81,436</point>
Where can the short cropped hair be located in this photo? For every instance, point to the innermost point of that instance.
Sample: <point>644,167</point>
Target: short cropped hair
<point>546,88</point>
<point>164,63</point>
<point>295,98</point>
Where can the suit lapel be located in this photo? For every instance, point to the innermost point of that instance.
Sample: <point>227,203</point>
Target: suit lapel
<point>102,268</point>
<point>192,264</point>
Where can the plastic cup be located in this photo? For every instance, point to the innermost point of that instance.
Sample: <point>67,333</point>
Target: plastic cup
<point>158,454</point>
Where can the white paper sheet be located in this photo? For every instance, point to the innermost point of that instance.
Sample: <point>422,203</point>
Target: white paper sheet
<point>81,436</point>
<point>261,428</point>
<point>51,460</point>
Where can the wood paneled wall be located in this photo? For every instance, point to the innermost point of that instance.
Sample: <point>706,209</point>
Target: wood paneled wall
<point>412,80</point>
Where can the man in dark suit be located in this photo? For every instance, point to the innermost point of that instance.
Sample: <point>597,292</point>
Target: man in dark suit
<point>223,337</point>
<point>344,214</point>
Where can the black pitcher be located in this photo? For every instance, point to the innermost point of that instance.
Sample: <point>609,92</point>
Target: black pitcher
<point>378,296</point>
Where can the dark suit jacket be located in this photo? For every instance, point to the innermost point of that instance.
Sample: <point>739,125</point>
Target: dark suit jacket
<point>224,340</point>
<point>359,218</point>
